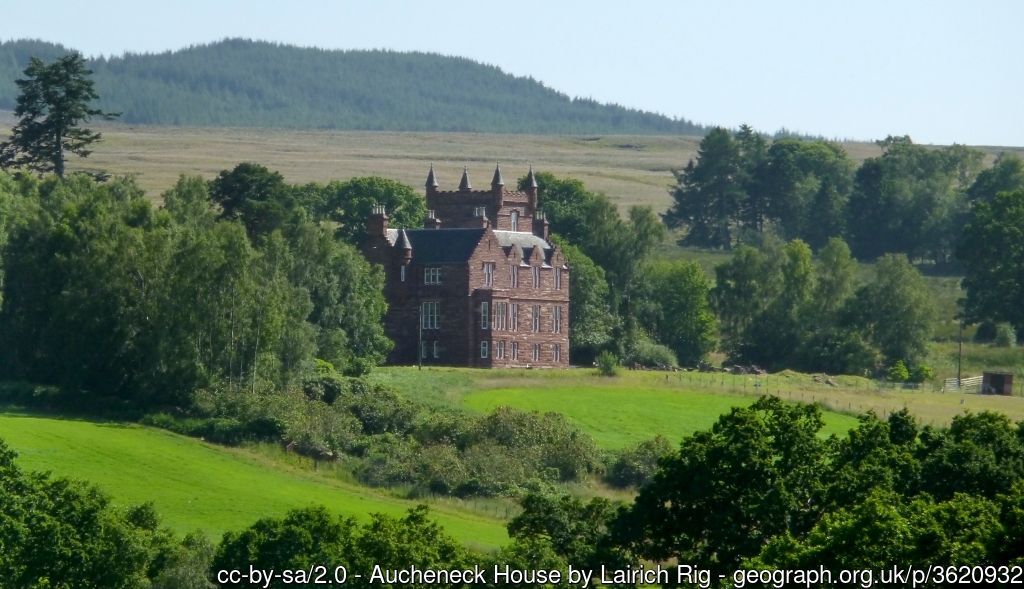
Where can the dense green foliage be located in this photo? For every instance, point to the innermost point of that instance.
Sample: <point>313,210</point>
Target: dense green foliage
<point>53,100</point>
<point>64,533</point>
<point>760,488</point>
<point>779,309</point>
<point>155,304</point>
<point>239,82</point>
<point>992,251</point>
<point>912,199</point>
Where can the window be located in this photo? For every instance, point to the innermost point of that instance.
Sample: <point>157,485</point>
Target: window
<point>432,275</point>
<point>429,315</point>
<point>536,352</point>
<point>513,319</point>
<point>558,278</point>
<point>403,273</point>
<point>437,349</point>
<point>501,316</point>
<point>513,276</point>
<point>499,349</point>
<point>488,273</point>
<point>536,318</point>
<point>536,276</point>
<point>485,315</point>
<point>557,323</point>
<point>515,350</point>
<point>556,352</point>
<point>423,349</point>
<point>515,220</point>
<point>484,348</point>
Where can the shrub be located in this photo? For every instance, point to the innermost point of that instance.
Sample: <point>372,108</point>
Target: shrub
<point>898,372</point>
<point>651,355</point>
<point>632,467</point>
<point>921,373</point>
<point>985,333</point>
<point>1006,337</point>
<point>607,364</point>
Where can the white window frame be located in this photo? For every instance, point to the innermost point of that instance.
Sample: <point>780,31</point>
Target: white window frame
<point>535,276</point>
<point>430,315</point>
<point>500,316</point>
<point>556,324</point>
<point>536,319</point>
<point>514,221</point>
<point>488,273</point>
<point>513,319</point>
<point>513,276</point>
<point>515,350</point>
<point>432,275</point>
<point>556,352</point>
<point>402,273</point>
<point>437,349</point>
<point>536,352</point>
<point>499,349</point>
<point>423,350</point>
<point>558,279</point>
<point>485,315</point>
<point>485,347</point>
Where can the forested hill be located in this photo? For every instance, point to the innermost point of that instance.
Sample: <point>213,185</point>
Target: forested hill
<point>258,84</point>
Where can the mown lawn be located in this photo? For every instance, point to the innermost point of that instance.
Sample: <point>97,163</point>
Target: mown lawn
<point>619,416</point>
<point>198,486</point>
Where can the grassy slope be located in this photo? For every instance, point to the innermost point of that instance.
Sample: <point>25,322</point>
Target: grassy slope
<point>199,486</point>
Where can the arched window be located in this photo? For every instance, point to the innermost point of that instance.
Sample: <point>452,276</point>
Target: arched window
<point>515,220</point>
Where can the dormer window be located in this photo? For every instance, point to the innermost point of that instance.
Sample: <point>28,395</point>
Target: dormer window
<point>431,275</point>
<point>488,273</point>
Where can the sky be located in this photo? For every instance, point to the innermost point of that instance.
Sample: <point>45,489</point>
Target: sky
<point>942,72</point>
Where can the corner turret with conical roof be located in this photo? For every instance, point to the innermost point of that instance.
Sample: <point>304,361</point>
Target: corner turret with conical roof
<point>464,185</point>
<point>431,181</point>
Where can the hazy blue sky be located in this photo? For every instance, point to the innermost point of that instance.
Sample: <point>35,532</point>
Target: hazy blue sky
<point>939,71</point>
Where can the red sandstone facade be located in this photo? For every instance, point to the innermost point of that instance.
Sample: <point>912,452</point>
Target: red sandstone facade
<point>480,285</point>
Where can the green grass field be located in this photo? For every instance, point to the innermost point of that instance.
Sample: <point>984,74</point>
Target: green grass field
<point>198,486</point>
<point>637,405</point>
<point>620,416</point>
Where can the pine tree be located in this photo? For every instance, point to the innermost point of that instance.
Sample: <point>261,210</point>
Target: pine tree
<point>53,101</point>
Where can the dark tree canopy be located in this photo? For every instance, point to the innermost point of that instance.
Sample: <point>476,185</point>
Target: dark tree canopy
<point>992,252</point>
<point>53,102</point>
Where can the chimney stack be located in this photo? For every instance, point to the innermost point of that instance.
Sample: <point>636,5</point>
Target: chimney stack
<point>377,223</point>
<point>431,222</point>
<point>540,225</point>
<point>481,215</point>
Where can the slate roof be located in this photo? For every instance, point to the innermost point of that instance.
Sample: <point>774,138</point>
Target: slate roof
<point>454,246</point>
<point>440,246</point>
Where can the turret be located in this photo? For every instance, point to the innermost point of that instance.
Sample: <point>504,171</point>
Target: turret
<point>431,181</point>
<point>404,247</point>
<point>464,185</point>
<point>498,187</point>
<point>531,189</point>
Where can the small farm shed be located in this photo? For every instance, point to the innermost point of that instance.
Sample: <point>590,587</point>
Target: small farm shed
<point>997,383</point>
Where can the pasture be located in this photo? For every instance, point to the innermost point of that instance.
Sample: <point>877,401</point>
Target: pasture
<point>199,486</point>
<point>637,405</point>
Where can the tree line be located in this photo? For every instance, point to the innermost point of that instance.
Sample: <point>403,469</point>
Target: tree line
<point>236,283</point>
<point>912,199</point>
<point>238,82</point>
